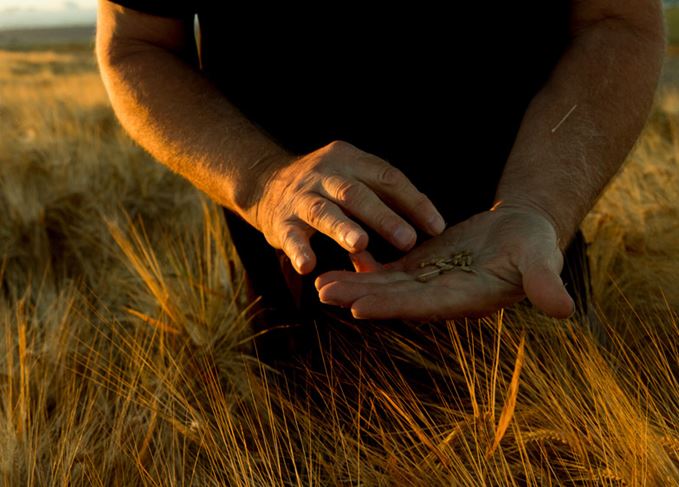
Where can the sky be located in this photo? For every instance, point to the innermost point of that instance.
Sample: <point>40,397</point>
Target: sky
<point>34,13</point>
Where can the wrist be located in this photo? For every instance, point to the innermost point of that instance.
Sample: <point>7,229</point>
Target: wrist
<point>563,235</point>
<point>252,179</point>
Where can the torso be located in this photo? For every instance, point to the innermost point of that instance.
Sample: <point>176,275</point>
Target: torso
<point>439,95</point>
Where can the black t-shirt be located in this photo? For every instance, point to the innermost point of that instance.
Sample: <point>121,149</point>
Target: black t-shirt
<point>439,95</point>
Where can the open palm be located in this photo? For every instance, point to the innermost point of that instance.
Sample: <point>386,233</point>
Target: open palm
<point>515,254</point>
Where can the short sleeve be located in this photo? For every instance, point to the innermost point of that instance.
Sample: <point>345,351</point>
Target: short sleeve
<point>162,8</point>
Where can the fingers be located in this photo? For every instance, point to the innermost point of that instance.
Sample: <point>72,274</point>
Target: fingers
<point>295,244</point>
<point>393,305</point>
<point>362,202</point>
<point>329,219</point>
<point>424,303</point>
<point>393,186</point>
<point>383,295</point>
<point>365,262</point>
<point>362,277</point>
<point>343,293</point>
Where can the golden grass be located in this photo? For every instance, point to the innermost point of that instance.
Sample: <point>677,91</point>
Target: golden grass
<point>127,352</point>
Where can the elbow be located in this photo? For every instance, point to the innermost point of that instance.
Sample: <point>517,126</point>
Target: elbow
<point>649,30</point>
<point>640,35</point>
<point>113,53</point>
<point>104,49</point>
<point>111,60</point>
<point>646,26</point>
<point>119,73</point>
<point>107,52</point>
<point>126,38</point>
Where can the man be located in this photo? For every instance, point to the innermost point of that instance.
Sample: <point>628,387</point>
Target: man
<point>350,134</point>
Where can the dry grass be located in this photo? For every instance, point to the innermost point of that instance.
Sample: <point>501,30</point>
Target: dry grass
<point>126,357</point>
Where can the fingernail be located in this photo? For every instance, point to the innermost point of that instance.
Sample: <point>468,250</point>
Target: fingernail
<point>403,236</point>
<point>299,262</point>
<point>352,238</point>
<point>436,224</point>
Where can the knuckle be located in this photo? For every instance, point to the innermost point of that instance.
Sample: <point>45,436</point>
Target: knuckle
<point>339,146</point>
<point>421,201</point>
<point>320,165</point>
<point>335,227</point>
<point>288,241</point>
<point>390,176</point>
<point>316,210</point>
<point>388,223</point>
<point>348,192</point>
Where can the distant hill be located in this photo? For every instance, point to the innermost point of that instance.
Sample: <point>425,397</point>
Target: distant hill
<point>20,39</point>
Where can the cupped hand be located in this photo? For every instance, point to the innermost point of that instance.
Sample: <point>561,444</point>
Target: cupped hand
<point>515,254</point>
<point>326,190</point>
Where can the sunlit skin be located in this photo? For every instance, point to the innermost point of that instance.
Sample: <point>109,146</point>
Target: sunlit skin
<point>574,137</point>
<point>286,196</point>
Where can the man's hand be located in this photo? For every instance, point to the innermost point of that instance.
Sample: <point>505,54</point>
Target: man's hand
<point>154,91</point>
<point>515,254</point>
<point>297,196</point>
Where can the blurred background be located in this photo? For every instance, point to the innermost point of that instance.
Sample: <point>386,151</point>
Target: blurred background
<point>16,14</point>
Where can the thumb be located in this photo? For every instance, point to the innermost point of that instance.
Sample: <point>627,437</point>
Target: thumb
<point>545,289</point>
<point>365,262</point>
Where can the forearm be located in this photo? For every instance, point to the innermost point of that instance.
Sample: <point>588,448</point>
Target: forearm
<point>580,127</point>
<point>179,117</point>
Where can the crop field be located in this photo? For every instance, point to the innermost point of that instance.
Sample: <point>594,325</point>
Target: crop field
<point>126,352</point>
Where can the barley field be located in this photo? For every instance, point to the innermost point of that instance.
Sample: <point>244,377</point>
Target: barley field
<point>127,358</point>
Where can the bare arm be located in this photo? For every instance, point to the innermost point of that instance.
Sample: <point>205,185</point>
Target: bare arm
<point>172,110</point>
<point>573,138</point>
<point>604,87</point>
<point>187,124</point>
